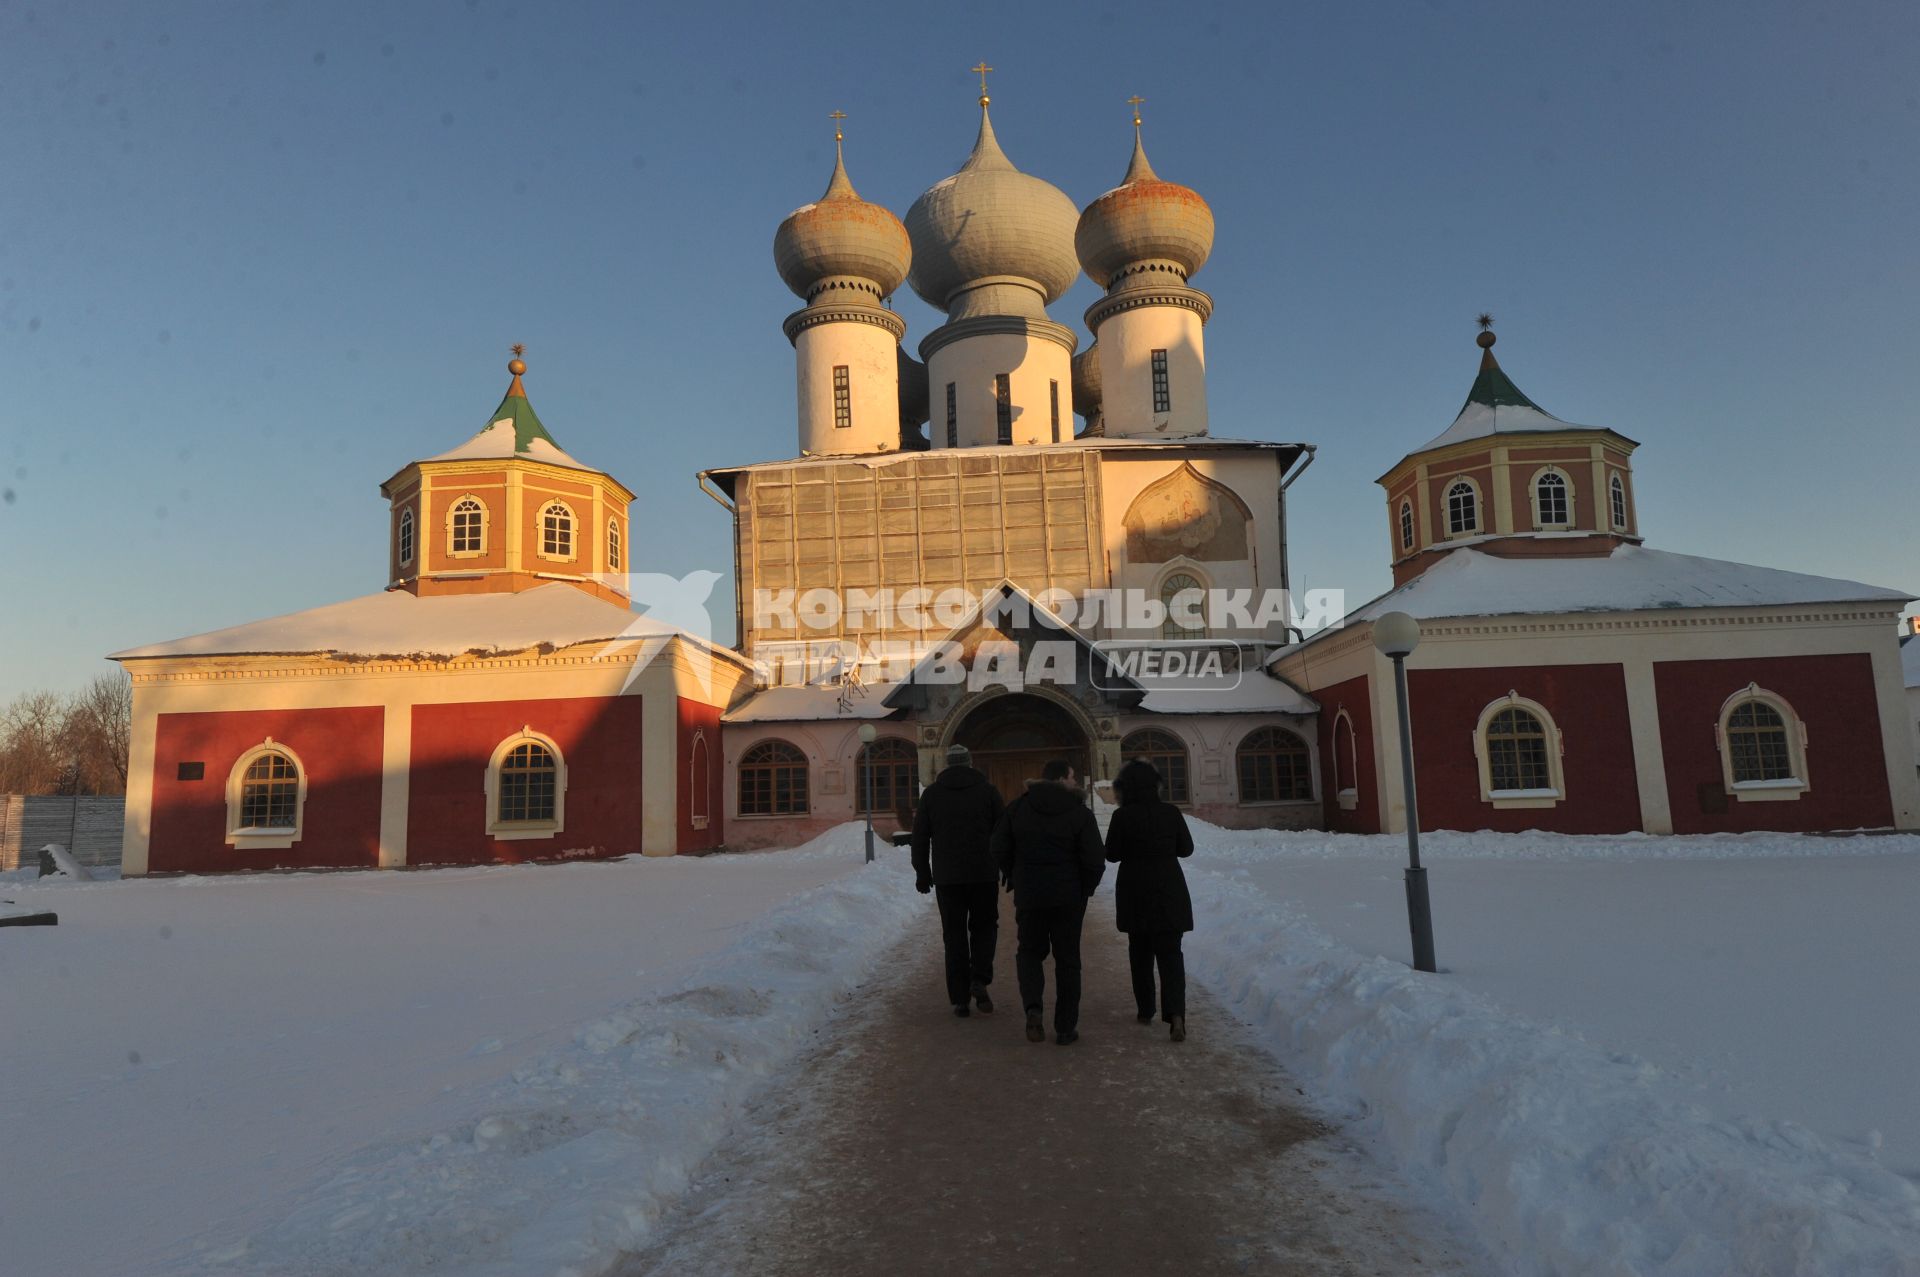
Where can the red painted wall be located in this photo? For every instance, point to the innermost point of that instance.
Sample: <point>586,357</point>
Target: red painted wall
<point>599,740</point>
<point>1834,696</point>
<point>696,719</point>
<point>1355,696</point>
<point>340,824</point>
<point>1588,703</point>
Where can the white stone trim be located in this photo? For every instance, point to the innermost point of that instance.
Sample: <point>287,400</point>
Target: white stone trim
<point>486,526</point>
<point>520,830</point>
<point>1504,799</point>
<point>1787,789</point>
<point>1479,527</point>
<point>1533,499</point>
<point>406,537</point>
<point>1348,797</point>
<point>574,531</point>
<point>240,837</point>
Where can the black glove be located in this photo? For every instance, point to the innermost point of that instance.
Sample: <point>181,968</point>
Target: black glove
<point>923,885</point>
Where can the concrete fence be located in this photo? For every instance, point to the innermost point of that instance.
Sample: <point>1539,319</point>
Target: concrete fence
<point>88,825</point>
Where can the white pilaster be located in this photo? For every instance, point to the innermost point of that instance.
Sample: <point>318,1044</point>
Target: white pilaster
<point>396,782</point>
<point>1649,757</point>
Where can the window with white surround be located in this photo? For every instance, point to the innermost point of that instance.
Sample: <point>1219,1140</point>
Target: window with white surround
<point>403,538</point>
<point>699,778</point>
<point>556,531</point>
<point>613,545</point>
<point>1406,525</point>
<point>467,528</point>
<point>526,787</point>
<point>1617,493</point>
<point>1185,598</point>
<point>1518,748</point>
<point>1463,508</point>
<point>1552,500</point>
<point>1346,762</point>
<point>266,797</point>
<point>1763,747</point>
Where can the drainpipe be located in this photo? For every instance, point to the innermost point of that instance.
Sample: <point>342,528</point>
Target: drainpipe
<point>1305,459</point>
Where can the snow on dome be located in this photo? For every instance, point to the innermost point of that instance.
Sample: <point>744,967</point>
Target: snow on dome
<point>841,234</point>
<point>991,219</point>
<point>1495,406</point>
<point>501,440</point>
<point>1631,579</point>
<point>1143,219</point>
<point>399,624</point>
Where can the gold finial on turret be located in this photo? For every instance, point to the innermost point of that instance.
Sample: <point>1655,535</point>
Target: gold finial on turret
<point>1486,338</point>
<point>1135,102</point>
<point>517,365</point>
<point>836,117</point>
<point>981,71</point>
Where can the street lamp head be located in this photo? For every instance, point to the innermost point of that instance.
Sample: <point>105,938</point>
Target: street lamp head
<point>1396,634</point>
<point>867,733</point>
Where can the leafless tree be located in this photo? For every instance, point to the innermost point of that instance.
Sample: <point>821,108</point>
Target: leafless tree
<point>50,744</point>
<point>33,754</point>
<point>98,726</point>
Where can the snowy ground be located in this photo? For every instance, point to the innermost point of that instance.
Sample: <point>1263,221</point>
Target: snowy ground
<point>368,1072</point>
<point>1646,1055</point>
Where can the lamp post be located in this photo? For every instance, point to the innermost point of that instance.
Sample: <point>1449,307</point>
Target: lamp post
<point>867,735</point>
<point>1396,635</point>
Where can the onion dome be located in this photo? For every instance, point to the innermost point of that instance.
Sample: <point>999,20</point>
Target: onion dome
<point>991,220</point>
<point>841,234</point>
<point>1086,381</point>
<point>1143,219</point>
<point>913,388</point>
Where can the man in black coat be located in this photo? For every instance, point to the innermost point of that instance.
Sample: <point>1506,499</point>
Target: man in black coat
<point>952,833</point>
<point>1048,846</point>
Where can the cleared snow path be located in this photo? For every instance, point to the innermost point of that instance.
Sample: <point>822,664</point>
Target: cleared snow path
<point>911,1141</point>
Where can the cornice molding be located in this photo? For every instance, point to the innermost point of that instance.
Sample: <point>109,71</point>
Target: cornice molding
<point>998,325</point>
<point>842,313</point>
<point>1168,295</point>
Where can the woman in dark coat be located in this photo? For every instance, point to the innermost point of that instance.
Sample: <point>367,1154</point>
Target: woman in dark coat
<point>1147,838</point>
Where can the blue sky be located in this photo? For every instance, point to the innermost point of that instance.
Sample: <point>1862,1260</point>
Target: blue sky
<point>254,258</point>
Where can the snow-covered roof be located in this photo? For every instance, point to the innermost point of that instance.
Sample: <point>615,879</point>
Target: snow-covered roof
<point>398,624</point>
<point>1258,693</point>
<point>1495,406</point>
<point>812,703</point>
<point>1631,579</point>
<point>1910,659</point>
<point>502,439</point>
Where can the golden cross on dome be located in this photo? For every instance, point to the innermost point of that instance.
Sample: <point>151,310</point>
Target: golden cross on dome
<point>1135,102</point>
<point>836,117</point>
<point>981,71</point>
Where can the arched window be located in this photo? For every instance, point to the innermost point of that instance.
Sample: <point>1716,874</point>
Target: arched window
<point>526,787</point>
<point>892,765</point>
<point>556,531</point>
<point>1463,508</point>
<point>1406,525</point>
<point>1518,748</point>
<point>403,539</point>
<point>773,780</point>
<point>1552,500</point>
<point>699,780</point>
<point>613,545</point>
<point>1168,756</point>
<point>1617,491</point>
<point>1190,620</point>
<point>1763,746</point>
<point>1346,759</point>
<point>266,797</point>
<point>467,528</point>
<point>1274,766</point>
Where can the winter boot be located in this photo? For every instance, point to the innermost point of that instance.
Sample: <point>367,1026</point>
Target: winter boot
<point>981,1000</point>
<point>1177,1028</point>
<point>1036,1031</point>
<point>1067,1038</point>
<point>960,1009</point>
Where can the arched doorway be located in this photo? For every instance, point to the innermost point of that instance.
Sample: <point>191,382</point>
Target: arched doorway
<point>1012,737</point>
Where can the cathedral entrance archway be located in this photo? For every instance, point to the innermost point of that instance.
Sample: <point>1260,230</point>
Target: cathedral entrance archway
<point>1013,736</point>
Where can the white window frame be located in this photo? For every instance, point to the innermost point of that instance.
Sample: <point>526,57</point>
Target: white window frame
<point>615,547</point>
<point>1617,501</point>
<point>519,830</point>
<point>1349,797</point>
<point>699,778</point>
<point>1183,567</point>
<point>1533,488</point>
<point>573,532</point>
<point>486,527</point>
<point>1787,789</point>
<point>406,538</point>
<point>1407,530</point>
<point>1446,501</point>
<point>1516,799</point>
<point>245,838</point>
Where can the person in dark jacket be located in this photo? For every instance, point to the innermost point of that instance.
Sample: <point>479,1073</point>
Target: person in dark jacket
<point>1147,838</point>
<point>1048,848</point>
<point>952,834</point>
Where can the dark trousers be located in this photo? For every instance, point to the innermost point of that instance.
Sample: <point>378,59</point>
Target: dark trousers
<point>969,928</point>
<point>1055,930</point>
<point>1144,952</point>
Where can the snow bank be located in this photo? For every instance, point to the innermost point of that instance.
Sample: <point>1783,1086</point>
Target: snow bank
<point>1265,846</point>
<point>1563,1156</point>
<point>569,1163</point>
